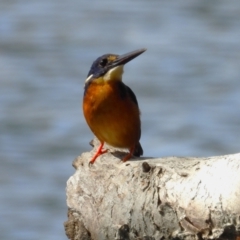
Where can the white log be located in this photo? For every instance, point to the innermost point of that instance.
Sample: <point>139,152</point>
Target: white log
<point>160,198</point>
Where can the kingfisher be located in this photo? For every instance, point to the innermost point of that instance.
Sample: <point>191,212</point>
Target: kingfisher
<point>110,107</point>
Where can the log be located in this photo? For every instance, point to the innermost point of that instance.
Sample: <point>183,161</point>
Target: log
<point>153,198</point>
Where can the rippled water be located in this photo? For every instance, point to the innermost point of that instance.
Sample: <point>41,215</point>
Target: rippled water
<point>187,85</point>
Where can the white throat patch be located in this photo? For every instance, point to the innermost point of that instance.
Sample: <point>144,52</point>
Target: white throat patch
<point>114,74</point>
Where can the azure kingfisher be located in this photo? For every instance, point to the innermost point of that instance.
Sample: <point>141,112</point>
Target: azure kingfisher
<point>110,107</point>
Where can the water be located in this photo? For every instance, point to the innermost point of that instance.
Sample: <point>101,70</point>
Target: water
<point>187,84</point>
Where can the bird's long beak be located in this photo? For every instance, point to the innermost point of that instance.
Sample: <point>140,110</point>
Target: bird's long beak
<point>125,58</point>
<point>115,69</point>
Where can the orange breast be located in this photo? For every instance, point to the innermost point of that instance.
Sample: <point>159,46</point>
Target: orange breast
<point>111,114</point>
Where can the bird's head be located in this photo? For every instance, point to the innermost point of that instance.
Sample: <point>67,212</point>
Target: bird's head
<point>109,67</point>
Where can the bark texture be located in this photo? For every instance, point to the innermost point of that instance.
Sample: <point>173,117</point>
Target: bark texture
<point>163,198</point>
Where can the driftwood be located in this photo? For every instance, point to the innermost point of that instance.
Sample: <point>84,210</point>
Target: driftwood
<point>163,198</point>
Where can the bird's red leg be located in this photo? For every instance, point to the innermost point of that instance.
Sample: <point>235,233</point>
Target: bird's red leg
<point>129,155</point>
<point>98,153</point>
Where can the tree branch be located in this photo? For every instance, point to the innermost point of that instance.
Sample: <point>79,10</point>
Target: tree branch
<point>163,198</point>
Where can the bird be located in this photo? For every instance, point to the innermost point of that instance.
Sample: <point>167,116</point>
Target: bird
<point>110,107</point>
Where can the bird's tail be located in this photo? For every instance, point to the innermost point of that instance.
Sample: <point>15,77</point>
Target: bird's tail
<point>138,151</point>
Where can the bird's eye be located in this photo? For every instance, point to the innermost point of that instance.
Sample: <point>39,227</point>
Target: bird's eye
<point>103,62</point>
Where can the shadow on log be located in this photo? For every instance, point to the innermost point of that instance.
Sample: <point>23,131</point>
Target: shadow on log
<point>146,198</point>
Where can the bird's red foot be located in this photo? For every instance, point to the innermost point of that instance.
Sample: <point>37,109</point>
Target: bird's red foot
<point>129,155</point>
<point>98,153</point>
